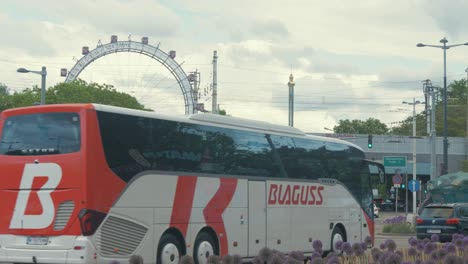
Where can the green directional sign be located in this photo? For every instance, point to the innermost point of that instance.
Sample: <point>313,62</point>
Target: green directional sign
<point>395,161</point>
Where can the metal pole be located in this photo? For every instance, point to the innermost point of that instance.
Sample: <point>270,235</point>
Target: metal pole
<point>43,85</point>
<point>433,136</point>
<point>414,154</point>
<point>396,200</point>
<point>291,100</point>
<point>445,167</point>
<point>214,105</point>
<point>466,132</point>
<point>406,192</point>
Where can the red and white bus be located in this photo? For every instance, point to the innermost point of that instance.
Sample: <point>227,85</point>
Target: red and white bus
<point>87,183</point>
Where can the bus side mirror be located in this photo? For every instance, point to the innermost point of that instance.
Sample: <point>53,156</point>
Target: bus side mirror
<point>377,168</point>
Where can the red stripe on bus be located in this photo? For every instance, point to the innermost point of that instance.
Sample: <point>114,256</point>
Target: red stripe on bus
<point>183,200</point>
<point>215,208</point>
<point>371,226</point>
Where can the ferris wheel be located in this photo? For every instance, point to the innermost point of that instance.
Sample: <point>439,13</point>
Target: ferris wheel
<point>188,84</point>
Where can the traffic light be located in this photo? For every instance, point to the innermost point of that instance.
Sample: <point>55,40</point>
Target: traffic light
<point>369,141</point>
<point>403,186</point>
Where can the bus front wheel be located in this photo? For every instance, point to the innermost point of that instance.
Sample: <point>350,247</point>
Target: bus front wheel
<point>205,246</point>
<point>337,235</point>
<point>169,250</point>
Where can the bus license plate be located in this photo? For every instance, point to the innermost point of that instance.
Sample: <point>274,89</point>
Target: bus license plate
<point>434,231</point>
<point>37,241</point>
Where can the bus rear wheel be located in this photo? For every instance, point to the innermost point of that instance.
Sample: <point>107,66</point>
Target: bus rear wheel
<point>205,246</point>
<point>169,250</point>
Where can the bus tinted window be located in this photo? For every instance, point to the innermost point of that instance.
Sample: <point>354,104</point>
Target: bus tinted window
<point>301,158</point>
<point>41,134</point>
<point>134,144</point>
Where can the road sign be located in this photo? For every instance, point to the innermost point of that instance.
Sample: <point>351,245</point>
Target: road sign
<point>413,185</point>
<point>395,161</point>
<point>396,185</point>
<point>397,179</point>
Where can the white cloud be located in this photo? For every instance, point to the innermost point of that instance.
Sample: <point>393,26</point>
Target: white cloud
<point>351,60</point>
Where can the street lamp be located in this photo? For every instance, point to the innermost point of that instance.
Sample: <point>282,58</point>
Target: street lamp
<point>414,103</point>
<point>444,47</point>
<point>43,73</point>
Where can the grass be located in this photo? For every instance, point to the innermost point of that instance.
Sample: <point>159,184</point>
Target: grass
<point>401,228</point>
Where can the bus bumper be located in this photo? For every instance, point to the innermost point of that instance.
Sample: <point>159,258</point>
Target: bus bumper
<point>82,252</point>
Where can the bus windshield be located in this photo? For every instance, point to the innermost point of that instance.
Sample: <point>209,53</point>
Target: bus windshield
<point>41,134</point>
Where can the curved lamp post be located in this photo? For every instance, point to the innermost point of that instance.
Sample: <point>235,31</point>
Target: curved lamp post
<point>43,73</point>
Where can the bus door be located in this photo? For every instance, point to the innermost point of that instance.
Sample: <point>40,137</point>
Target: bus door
<point>257,217</point>
<point>355,225</point>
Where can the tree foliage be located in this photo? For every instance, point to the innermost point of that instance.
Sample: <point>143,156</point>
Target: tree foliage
<point>4,96</point>
<point>369,126</point>
<point>456,117</point>
<point>77,91</point>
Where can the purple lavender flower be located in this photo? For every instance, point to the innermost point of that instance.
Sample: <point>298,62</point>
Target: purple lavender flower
<point>412,252</point>
<point>451,248</point>
<point>435,238</point>
<point>412,241</point>
<point>393,258</point>
<point>364,246</point>
<point>391,245</point>
<point>459,243</point>
<point>368,240</point>
<point>316,261</point>
<point>236,259</point>
<point>317,245</point>
<point>347,248</point>
<point>297,255</point>
<point>426,240</point>
<point>376,255</point>
<point>382,246</point>
<point>465,241</point>
<point>339,245</point>
<point>275,259</point>
<point>442,253</point>
<point>420,246</point>
<point>428,248</point>
<point>187,259</point>
<point>316,255</point>
<point>356,247</point>
<point>453,259</point>
<point>333,260</point>
<point>265,254</point>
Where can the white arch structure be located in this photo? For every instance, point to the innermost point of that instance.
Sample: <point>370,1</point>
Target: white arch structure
<point>141,48</point>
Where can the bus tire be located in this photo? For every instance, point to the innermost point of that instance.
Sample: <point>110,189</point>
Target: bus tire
<point>169,250</point>
<point>337,235</point>
<point>205,246</point>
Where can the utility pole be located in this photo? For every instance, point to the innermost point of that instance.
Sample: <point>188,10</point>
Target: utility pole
<point>430,92</point>
<point>214,105</point>
<point>291,100</point>
<point>466,132</point>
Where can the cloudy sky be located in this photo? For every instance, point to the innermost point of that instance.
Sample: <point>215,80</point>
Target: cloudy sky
<point>350,59</point>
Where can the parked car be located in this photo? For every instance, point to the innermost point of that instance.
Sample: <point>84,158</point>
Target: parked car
<point>443,220</point>
<point>376,211</point>
<point>389,205</point>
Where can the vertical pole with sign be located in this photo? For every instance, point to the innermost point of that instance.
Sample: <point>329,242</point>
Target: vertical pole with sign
<point>396,200</point>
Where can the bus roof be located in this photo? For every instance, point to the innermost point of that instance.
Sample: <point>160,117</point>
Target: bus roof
<point>206,119</point>
<point>225,121</point>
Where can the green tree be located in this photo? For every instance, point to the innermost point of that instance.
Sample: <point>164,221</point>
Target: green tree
<point>77,91</point>
<point>4,97</point>
<point>369,126</point>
